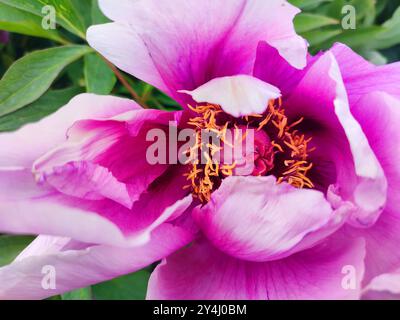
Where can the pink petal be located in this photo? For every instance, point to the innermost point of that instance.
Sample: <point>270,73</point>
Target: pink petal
<point>28,208</point>
<point>77,265</point>
<point>89,181</point>
<point>384,287</point>
<point>253,218</point>
<point>201,272</point>
<point>238,95</point>
<point>380,124</point>
<point>22,147</point>
<point>106,158</point>
<point>274,69</point>
<point>321,98</point>
<point>182,44</point>
<point>362,77</point>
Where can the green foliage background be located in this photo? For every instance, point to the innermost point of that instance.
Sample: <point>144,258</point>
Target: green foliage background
<point>57,65</point>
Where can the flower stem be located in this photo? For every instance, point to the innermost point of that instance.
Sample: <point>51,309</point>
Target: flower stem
<point>125,83</point>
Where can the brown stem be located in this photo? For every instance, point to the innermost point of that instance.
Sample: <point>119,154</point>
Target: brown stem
<point>125,83</point>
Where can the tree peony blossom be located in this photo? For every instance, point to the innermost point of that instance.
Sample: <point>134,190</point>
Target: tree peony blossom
<point>316,217</point>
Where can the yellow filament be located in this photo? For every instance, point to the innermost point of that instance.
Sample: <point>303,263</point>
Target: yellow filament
<point>201,179</point>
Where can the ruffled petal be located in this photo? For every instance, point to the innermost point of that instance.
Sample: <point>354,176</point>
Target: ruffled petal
<point>384,287</point>
<point>272,68</point>
<point>28,208</point>
<point>106,159</point>
<point>202,272</point>
<point>22,147</point>
<point>76,265</point>
<point>362,77</point>
<point>340,142</point>
<point>379,115</point>
<point>253,218</point>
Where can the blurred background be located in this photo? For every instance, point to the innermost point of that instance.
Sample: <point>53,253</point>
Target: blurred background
<point>370,27</point>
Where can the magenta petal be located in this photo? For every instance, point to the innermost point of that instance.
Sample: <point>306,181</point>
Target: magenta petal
<point>22,147</point>
<point>320,97</point>
<point>274,69</point>
<point>182,44</point>
<point>202,272</point>
<point>106,158</point>
<point>362,77</point>
<point>26,208</point>
<point>384,287</point>
<point>380,124</point>
<point>89,181</point>
<point>77,265</point>
<point>253,218</point>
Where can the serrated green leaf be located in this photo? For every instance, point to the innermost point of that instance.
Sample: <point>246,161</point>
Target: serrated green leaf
<point>99,78</point>
<point>47,104</point>
<point>307,21</point>
<point>80,294</point>
<point>28,78</point>
<point>69,12</point>
<point>18,21</point>
<point>129,287</point>
<point>11,246</point>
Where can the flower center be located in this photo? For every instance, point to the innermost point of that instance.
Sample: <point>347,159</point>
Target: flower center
<point>279,148</point>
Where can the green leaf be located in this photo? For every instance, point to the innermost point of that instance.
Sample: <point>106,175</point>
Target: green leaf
<point>308,4</point>
<point>50,102</point>
<point>390,35</point>
<point>80,294</point>
<point>130,287</point>
<point>366,10</point>
<point>381,5</point>
<point>14,20</point>
<point>74,72</point>
<point>360,37</point>
<point>334,9</point>
<point>317,37</point>
<point>308,21</point>
<point>69,12</point>
<point>97,16</point>
<point>99,78</point>
<point>11,246</point>
<point>28,78</point>
<point>82,10</point>
<point>375,57</point>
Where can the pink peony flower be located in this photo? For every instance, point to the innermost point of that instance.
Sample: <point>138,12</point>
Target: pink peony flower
<point>318,206</point>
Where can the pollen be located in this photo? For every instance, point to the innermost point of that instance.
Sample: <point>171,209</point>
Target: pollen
<point>204,177</point>
<point>292,144</point>
<point>290,147</point>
